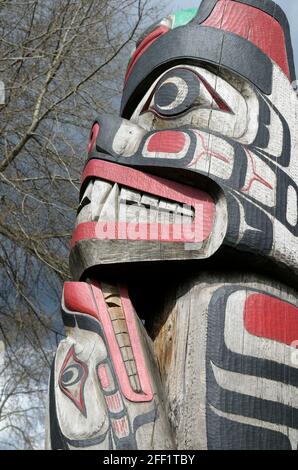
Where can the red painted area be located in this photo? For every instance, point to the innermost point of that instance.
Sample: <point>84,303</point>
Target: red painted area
<point>78,298</point>
<point>103,377</point>
<point>131,231</point>
<point>93,136</point>
<point>268,317</point>
<point>136,179</point>
<point>130,317</point>
<point>114,403</point>
<point>147,42</point>
<point>254,25</point>
<point>202,203</point>
<point>167,142</point>
<point>121,427</point>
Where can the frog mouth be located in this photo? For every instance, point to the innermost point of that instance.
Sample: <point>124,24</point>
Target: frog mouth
<point>124,203</point>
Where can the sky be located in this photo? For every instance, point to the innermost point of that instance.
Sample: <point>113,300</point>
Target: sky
<point>289,6</point>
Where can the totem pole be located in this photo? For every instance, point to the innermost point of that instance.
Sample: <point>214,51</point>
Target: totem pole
<point>182,320</point>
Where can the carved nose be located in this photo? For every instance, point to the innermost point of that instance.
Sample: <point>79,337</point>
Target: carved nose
<point>113,135</point>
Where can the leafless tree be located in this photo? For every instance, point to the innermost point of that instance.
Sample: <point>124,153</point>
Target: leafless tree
<point>62,62</point>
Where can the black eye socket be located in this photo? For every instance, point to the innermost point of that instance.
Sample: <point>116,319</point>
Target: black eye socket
<point>72,375</point>
<point>176,93</point>
<point>181,90</point>
<point>166,95</point>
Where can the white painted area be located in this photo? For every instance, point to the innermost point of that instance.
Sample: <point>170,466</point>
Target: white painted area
<point>292,215</point>
<point>257,387</point>
<point>128,138</point>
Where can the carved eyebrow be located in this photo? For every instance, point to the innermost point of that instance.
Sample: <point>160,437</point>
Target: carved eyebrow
<point>178,44</point>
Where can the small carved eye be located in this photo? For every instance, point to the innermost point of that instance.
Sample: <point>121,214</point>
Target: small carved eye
<point>176,93</point>
<point>72,378</point>
<point>181,90</point>
<point>72,375</point>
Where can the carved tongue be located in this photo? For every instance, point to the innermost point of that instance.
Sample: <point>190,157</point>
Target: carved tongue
<point>113,302</point>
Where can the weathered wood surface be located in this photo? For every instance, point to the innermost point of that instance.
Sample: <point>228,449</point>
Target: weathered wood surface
<point>201,169</point>
<point>212,351</point>
<point>105,386</point>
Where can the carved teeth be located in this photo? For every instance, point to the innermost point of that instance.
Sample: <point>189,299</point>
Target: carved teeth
<point>109,202</point>
<point>100,192</point>
<point>129,195</point>
<point>129,213</point>
<point>84,209</point>
<point>131,367</point>
<point>149,201</point>
<point>119,326</point>
<point>167,211</point>
<point>123,340</point>
<point>151,204</point>
<point>109,211</point>
<point>88,191</point>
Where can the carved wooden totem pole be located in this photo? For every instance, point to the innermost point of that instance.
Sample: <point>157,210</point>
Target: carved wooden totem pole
<point>182,320</point>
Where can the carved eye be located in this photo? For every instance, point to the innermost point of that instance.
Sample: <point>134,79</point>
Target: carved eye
<point>181,90</point>
<point>72,379</point>
<point>72,375</point>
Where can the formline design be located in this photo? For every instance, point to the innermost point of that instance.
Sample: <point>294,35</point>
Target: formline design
<point>181,318</point>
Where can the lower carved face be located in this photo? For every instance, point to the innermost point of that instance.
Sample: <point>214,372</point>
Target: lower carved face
<point>104,397</point>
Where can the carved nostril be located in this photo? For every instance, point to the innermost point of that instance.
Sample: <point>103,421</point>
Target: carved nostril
<point>93,136</point>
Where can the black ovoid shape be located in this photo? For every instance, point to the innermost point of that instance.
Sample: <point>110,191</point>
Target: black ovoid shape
<point>166,95</point>
<point>171,93</point>
<point>72,375</point>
